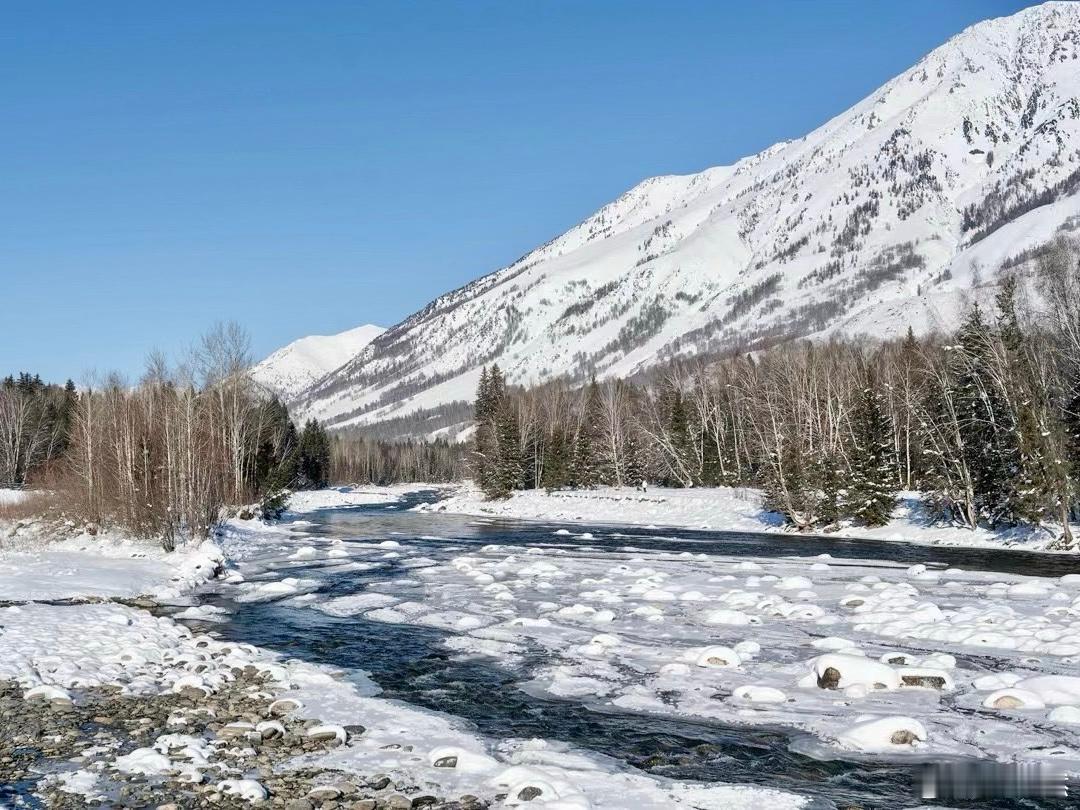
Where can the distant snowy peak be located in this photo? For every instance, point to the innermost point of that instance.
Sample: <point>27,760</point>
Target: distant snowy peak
<point>882,217</point>
<point>296,366</point>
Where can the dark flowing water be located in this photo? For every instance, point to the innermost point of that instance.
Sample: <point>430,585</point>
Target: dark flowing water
<point>410,663</point>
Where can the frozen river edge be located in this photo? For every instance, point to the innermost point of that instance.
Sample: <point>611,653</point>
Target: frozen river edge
<point>67,659</point>
<point>70,660</point>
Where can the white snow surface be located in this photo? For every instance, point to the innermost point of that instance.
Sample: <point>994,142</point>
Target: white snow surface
<point>857,227</point>
<point>36,566</point>
<point>10,497</point>
<point>70,647</point>
<point>294,367</point>
<point>312,500</point>
<point>727,508</point>
<point>869,658</point>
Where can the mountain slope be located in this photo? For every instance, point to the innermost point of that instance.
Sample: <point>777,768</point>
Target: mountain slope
<point>294,367</point>
<point>881,217</point>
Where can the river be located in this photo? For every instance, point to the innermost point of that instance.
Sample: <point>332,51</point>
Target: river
<point>413,664</point>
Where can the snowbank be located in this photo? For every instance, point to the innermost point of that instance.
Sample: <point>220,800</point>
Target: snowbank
<point>312,500</point>
<point>10,497</point>
<point>34,565</point>
<point>722,508</point>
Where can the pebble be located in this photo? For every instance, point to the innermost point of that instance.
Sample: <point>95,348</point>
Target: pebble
<point>34,736</point>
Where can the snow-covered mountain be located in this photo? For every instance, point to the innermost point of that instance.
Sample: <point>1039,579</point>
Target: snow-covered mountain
<point>882,217</point>
<point>294,367</point>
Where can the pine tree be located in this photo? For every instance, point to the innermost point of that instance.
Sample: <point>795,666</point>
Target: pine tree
<point>1040,488</point>
<point>871,493</point>
<point>595,464</point>
<point>634,469</point>
<point>678,429</point>
<point>558,460</point>
<point>830,477</point>
<point>313,459</point>
<point>586,471</point>
<point>987,425</point>
<point>485,440</point>
<point>508,466</point>
<point>1071,425</point>
<point>912,379</point>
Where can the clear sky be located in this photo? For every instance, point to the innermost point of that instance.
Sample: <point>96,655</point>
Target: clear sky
<point>306,167</point>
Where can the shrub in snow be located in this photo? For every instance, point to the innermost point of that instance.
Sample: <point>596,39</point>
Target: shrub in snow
<point>883,734</point>
<point>274,504</point>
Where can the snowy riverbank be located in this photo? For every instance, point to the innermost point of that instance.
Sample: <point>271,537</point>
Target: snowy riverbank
<point>225,721</point>
<point>364,495</point>
<point>42,560</point>
<point>721,509</point>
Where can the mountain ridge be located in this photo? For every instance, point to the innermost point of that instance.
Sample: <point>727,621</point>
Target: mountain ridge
<point>883,216</point>
<point>297,365</point>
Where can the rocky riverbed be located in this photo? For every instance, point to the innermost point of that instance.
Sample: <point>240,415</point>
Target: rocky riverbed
<point>98,747</point>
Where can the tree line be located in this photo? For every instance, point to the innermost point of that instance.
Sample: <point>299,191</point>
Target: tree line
<point>165,455</point>
<point>356,458</point>
<point>985,420</point>
<point>35,420</point>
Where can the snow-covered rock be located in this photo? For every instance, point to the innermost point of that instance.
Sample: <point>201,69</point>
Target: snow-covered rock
<point>883,734</point>
<point>839,671</point>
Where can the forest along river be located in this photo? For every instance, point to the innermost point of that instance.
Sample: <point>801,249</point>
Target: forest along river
<point>412,663</point>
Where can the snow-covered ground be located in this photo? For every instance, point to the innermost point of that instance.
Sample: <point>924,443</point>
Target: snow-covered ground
<point>362,495</point>
<point>53,651</point>
<point>864,658</point>
<point>35,564</point>
<point>10,497</point>
<point>722,508</point>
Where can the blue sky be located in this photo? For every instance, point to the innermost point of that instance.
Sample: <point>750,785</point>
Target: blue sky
<point>307,167</point>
